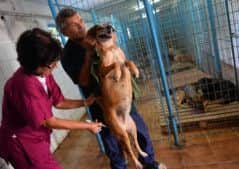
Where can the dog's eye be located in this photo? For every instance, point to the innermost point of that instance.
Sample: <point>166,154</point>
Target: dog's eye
<point>113,30</point>
<point>109,27</point>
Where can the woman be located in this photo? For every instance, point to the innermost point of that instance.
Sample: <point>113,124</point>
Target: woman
<point>29,96</point>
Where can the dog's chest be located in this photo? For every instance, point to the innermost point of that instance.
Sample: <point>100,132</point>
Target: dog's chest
<point>112,56</point>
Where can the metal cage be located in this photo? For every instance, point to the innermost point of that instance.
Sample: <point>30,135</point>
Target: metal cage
<point>176,44</point>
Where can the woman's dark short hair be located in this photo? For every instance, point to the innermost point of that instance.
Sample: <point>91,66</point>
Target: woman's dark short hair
<point>36,48</point>
<point>62,16</point>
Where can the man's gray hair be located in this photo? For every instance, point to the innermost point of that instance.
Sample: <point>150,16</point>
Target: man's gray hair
<point>62,17</point>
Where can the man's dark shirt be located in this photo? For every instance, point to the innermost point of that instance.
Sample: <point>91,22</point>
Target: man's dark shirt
<point>72,61</point>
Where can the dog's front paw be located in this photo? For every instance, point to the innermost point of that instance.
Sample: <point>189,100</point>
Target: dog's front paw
<point>116,78</point>
<point>117,75</point>
<point>136,74</point>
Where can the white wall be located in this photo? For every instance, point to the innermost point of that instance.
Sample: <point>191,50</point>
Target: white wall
<point>10,29</point>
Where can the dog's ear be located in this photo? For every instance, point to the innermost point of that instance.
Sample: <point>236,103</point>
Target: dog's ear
<point>91,34</point>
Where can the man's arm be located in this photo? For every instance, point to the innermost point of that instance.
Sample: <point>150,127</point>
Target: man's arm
<point>84,74</point>
<point>76,61</point>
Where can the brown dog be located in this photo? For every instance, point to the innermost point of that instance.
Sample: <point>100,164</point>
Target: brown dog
<point>116,88</point>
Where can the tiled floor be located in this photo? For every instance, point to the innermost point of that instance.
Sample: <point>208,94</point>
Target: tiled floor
<point>215,149</point>
<point>205,149</point>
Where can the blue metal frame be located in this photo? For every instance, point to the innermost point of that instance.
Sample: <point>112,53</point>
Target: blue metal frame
<point>52,7</point>
<point>121,35</point>
<point>152,65</point>
<point>217,62</point>
<point>168,69</point>
<point>171,117</point>
<point>94,17</point>
<point>198,57</point>
<point>232,48</point>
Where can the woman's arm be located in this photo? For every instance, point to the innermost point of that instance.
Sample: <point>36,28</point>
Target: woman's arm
<point>57,123</point>
<point>70,103</point>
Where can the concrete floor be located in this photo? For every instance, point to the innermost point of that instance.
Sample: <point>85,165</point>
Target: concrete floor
<point>204,149</point>
<point>214,149</point>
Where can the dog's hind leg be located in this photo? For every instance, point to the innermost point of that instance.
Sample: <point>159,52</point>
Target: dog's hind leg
<point>131,129</point>
<point>119,131</point>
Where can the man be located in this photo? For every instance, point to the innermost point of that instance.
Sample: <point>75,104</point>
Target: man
<point>76,61</point>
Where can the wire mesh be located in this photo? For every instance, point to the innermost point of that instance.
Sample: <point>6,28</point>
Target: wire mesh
<point>200,36</point>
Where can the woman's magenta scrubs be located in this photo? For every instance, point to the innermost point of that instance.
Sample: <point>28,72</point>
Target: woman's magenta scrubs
<point>24,141</point>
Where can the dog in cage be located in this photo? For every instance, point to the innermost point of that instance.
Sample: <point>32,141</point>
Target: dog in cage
<point>179,60</point>
<point>189,95</point>
<point>208,91</point>
<point>114,72</point>
<point>179,56</point>
<point>183,57</point>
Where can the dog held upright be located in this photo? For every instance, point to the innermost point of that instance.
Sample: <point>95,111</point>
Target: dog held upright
<point>114,72</point>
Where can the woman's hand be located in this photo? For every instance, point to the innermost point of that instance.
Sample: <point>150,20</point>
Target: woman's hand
<point>89,101</point>
<point>95,127</point>
<point>57,123</point>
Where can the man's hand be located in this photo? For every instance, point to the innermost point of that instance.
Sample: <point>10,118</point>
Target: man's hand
<point>90,42</point>
<point>89,46</point>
